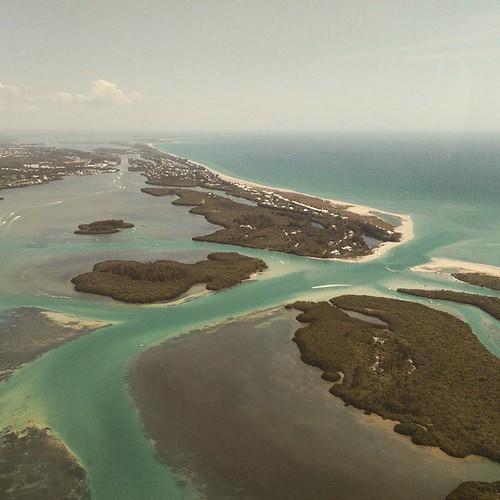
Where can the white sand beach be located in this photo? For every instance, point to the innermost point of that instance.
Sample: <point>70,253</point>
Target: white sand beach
<point>73,322</point>
<point>449,266</point>
<point>405,227</point>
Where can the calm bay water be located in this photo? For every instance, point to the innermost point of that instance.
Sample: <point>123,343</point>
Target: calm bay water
<point>450,186</point>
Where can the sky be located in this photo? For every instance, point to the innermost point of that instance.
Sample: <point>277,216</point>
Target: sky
<point>255,65</point>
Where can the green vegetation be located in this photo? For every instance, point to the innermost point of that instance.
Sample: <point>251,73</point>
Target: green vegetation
<point>426,370</point>
<point>109,226</point>
<point>24,165</point>
<point>36,465</point>
<point>490,305</point>
<point>476,490</point>
<point>138,282</point>
<point>275,219</point>
<point>479,279</point>
<point>278,229</point>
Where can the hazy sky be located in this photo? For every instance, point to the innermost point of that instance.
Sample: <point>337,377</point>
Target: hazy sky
<point>250,65</point>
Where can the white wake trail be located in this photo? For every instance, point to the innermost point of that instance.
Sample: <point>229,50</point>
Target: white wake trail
<point>331,285</point>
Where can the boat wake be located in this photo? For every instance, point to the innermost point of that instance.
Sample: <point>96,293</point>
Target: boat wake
<point>331,285</point>
<point>7,221</point>
<point>391,270</point>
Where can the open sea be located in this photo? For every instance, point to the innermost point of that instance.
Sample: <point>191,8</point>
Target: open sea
<point>448,184</point>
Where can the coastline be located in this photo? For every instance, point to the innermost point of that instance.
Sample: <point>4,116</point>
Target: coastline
<point>383,423</point>
<point>264,356</point>
<point>405,227</point>
<point>198,290</point>
<point>27,333</point>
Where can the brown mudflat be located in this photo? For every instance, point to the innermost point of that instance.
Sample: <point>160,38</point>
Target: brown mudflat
<point>235,410</point>
<point>147,282</point>
<point>26,333</point>
<point>36,465</point>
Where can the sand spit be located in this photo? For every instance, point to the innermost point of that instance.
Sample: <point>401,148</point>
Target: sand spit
<point>73,322</point>
<point>449,266</point>
<point>28,332</point>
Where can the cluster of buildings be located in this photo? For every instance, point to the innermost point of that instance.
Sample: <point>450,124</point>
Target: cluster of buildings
<point>24,165</point>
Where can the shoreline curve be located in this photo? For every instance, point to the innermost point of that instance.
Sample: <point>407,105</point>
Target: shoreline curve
<point>405,227</point>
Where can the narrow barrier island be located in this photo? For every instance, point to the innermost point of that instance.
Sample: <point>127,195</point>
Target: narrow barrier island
<point>36,465</point>
<point>279,229</point>
<point>259,216</point>
<point>147,282</point>
<point>109,226</point>
<point>479,279</point>
<point>425,369</point>
<point>490,305</point>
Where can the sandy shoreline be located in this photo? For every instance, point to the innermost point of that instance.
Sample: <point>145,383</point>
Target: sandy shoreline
<point>405,227</point>
<point>449,266</point>
<point>200,290</point>
<point>73,322</point>
<point>194,292</point>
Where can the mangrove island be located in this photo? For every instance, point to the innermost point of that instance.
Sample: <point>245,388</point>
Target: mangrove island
<point>162,280</point>
<point>109,226</point>
<point>488,304</point>
<point>407,362</point>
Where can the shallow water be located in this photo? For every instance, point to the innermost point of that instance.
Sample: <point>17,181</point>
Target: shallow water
<point>241,391</point>
<point>79,389</point>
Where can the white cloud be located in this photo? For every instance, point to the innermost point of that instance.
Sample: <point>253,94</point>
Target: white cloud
<point>102,93</point>
<point>17,98</point>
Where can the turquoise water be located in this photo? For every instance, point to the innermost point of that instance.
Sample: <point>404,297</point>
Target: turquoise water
<point>449,185</point>
<point>368,169</point>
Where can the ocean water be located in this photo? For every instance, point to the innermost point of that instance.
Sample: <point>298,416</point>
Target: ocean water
<point>450,185</point>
